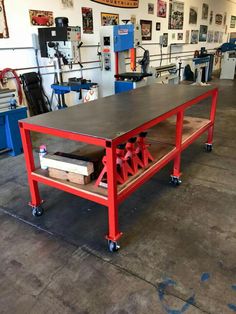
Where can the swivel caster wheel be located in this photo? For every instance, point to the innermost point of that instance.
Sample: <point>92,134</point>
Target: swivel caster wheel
<point>37,211</point>
<point>113,246</point>
<point>175,181</point>
<point>208,147</point>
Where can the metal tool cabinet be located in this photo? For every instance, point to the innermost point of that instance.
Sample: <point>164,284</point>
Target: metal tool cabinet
<point>107,122</point>
<point>10,140</point>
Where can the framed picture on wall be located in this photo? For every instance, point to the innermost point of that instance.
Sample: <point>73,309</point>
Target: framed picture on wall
<point>129,4</point>
<point>221,37</point>
<point>87,16</point>
<point>187,36</point>
<point>3,21</point>
<point>193,15</point>
<point>210,37</point>
<point>211,17</point>
<point>216,36</point>
<point>203,33</point>
<point>67,3</point>
<point>41,18</point>
<point>180,36</point>
<point>150,8</point>
<point>161,8</point>
<point>146,29</point>
<point>158,26</point>
<point>219,19</point>
<point>225,18</point>
<point>109,19</point>
<point>205,9</point>
<point>232,21</point>
<point>194,36</point>
<point>176,15</point>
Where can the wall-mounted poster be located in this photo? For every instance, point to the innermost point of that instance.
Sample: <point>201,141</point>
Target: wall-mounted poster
<point>41,18</point>
<point>205,9</point>
<point>203,33</point>
<point>221,37</point>
<point>232,21</point>
<point>176,15</point>
<point>193,15</point>
<point>173,36</point>
<point>211,17</point>
<point>194,36</point>
<point>219,19</point>
<point>216,36</point>
<point>109,19</point>
<point>225,18</point>
<point>67,3</point>
<point>130,4</point>
<point>3,21</point>
<point>161,8</point>
<point>210,36</point>
<point>187,35</point>
<point>180,36</point>
<point>146,29</point>
<point>87,16</point>
<point>133,19</point>
<point>150,8</point>
<point>158,26</point>
<point>165,40</point>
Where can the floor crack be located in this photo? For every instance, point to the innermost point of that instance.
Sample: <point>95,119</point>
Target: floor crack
<point>133,274</point>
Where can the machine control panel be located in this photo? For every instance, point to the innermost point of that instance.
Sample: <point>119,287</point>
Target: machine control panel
<point>107,61</point>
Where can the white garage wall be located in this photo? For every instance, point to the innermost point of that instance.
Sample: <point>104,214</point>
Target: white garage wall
<point>21,31</point>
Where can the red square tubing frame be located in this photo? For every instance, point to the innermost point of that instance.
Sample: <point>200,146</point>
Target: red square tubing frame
<point>114,197</point>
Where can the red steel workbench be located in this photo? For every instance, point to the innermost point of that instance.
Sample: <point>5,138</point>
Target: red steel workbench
<point>109,121</point>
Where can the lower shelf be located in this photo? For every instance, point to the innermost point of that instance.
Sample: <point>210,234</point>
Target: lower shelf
<point>158,151</point>
<point>162,140</point>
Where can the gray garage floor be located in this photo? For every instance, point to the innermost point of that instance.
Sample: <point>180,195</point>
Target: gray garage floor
<point>178,250</point>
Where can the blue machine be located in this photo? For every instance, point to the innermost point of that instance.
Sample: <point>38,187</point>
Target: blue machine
<point>10,140</point>
<point>123,37</point>
<point>228,46</point>
<point>65,88</point>
<point>116,43</point>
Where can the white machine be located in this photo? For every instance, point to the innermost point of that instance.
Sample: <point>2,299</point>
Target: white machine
<point>118,43</point>
<point>228,64</point>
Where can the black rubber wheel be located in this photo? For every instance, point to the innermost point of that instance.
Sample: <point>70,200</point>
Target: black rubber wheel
<point>113,246</point>
<point>175,181</point>
<point>208,148</point>
<point>37,211</point>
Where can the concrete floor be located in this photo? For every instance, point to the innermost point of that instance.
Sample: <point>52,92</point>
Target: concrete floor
<point>178,250</point>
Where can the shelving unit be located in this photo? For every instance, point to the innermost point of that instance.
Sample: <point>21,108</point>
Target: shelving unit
<point>157,109</point>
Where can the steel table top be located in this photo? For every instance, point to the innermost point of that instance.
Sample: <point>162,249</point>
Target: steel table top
<point>107,118</point>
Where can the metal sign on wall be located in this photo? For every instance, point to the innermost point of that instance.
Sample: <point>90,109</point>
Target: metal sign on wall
<point>131,4</point>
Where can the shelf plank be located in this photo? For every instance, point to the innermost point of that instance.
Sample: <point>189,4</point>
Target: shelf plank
<point>165,131</point>
<point>162,140</point>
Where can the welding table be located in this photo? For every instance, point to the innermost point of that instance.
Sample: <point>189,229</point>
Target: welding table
<point>109,121</point>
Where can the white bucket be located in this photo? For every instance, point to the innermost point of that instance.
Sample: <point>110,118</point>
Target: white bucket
<point>91,94</point>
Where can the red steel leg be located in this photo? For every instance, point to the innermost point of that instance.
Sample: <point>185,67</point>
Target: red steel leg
<point>113,233</point>
<point>30,166</point>
<point>178,141</point>
<point>212,117</point>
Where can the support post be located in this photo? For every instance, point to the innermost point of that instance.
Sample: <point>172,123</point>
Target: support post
<point>30,166</point>
<point>212,116</point>
<point>178,142</point>
<point>113,231</point>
